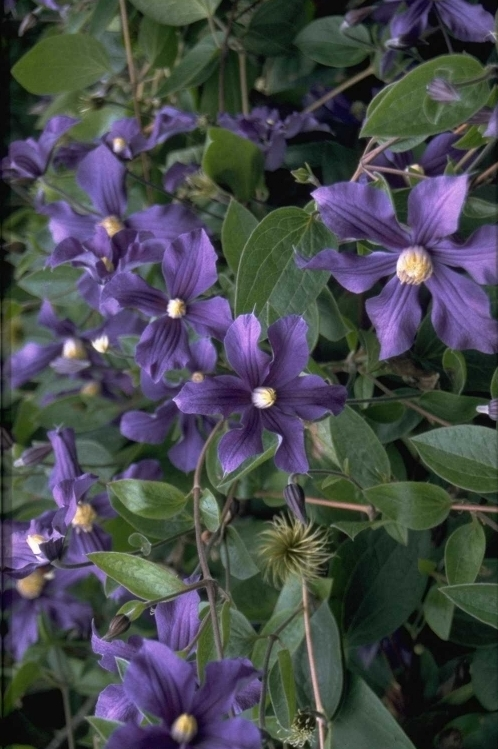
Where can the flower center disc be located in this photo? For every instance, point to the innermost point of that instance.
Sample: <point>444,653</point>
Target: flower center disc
<point>176,308</point>
<point>30,587</point>
<point>263,397</point>
<point>184,728</point>
<point>34,540</point>
<point>112,225</point>
<point>84,517</point>
<point>414,266</point>
<point>118,145</point>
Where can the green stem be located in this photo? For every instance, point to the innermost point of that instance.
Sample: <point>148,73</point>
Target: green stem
<point>339,89</point>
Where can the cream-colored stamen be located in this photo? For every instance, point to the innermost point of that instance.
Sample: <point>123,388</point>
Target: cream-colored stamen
<point>73,349</point>
<point>263,397</point>
<point>112,225</point>
<point>101,344</point>
<point>414,266</point>
<point>91,389</point>
<point>415,169</point>
<point>34,540</point>
<point>176,308</point>
<point>30,587</point>
<point>84,517</point>
<point>197,377</point>
<point>108,264</point>
<point>184,728</point>
<point>118,145</point>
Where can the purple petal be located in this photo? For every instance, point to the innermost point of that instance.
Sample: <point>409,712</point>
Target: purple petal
<point>470,23</point>
<point>130,290</point>
<point>210,317</point>
<point>160,682</point>
<point>434,207</point>
<point>356,273</point>
<point>309,397</point>
<point>290,455</point>
<point>477,255</point>
<point>102,176</point>
<point>64,222</point>
<point>204,356</point>
<point>290,349</point>
<point>189,265</point>
<point>113,704</point>
<point>114,649</point>
<point>437,154</point>
<point>163,346</point>
<point>238,444</point>
<point>354,211</point>
<point>243,352</point>
<point>66,456</point>
<point>396,315</point>
<point>164,221</point>
<point>185,454</point>
<point>147,469</point>
<point>32,359</point>
<point>413,21</point>
<point>53,130</point>
<point>224,679</point>
<point>148,428</point>
<point>170,121</point>
<point>460,312</point>
<point>225,394</point>
<point>178,621</point>
<point>236,733</point>
<point>49,319</point>
<point>134,737</point>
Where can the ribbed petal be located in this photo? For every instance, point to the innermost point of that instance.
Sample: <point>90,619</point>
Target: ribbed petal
<point>224,395</point>
<point>160,682</point>
<point>102,176</point>
<point>224,679</point>
<point>413,21</point>
<point>356,273</point>
<point>290,349</point>
<point>477,255</point>
<point>185,454</point>
<point>241,443</point>
<point>148,428</point>
<point>309,397</point>
<point>460,312</point>
<point>470,23</point>
<point>354,211</point>
<point>66,251</point>
<point>434,207</point>
<point>170,121</point>
<point>236,733</point>
<point>163,346</point>
<point>189,265</point>
<point>204,356</point>
<point>243,352</point>
<point>66,456</point>
<point>290,455</point>
<point>130,290</point>
<point>110,650</point>
<point>134,737</point>
<point>396,315</point>
<point>113,704</point>
<point>32,359</point>
<point>210,317</point>
<point>178,621</point>
<point>164,221</point>
<point>64,222</point>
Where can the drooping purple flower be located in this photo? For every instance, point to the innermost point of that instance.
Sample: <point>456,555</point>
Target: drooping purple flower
<point>441,90</point>
<point>126,139</point>
<point>30,545</point>
<point>102,176</point>
<point>159,682</point>
<point>152,429</point>
<point>470,23</point>
<point>425,252</point>
<point>170,121</point>
<point>189,269</point>
<point>28,159</point>
<point>268,393</point>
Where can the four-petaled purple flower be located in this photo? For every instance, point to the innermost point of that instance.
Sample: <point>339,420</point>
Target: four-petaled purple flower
<point>423,253</point>
<point>158,682</point>
<point>189,269</point>
<point>28,159</point>
<point>470,23</point>
<point>268,392</point>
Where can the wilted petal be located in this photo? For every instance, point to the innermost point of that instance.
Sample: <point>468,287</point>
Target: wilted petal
<point>434,207</point>
<point>356,273</point>
<point>396,315</point>
<point>241,443</point>
<point>29,361</point>
<point>354,211</point>
<point>164,221</point>
<point>66,456</point>
<point>290,455</point>
<point>113,704</point>
<point>102,176</point>
<point>460,312</point>
<point>210,317</point>
<point>163,346</point>
<point>290,349</point>
<point>309,397</point>
<point>470,23</point>
<point>224,395</point>
<point>170,121</point>
<point>243,352</point>
<point>53,130</point>
<point>151,429</point>
<point>477,255</point>
<point>130,290</point>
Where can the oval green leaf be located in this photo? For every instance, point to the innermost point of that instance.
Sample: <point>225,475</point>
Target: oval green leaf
<point>176,12</point>
<point>480,600</point>
<point>142,578</point>
<point>233,162</point>
<point>323,41</point>
<point>154,500</point>
<point>464,553</point>
<point>414,505</point>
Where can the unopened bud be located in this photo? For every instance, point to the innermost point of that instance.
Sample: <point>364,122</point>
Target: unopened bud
<point>490,409</point>
<point>117,626</point>
<point>442,91</point>
<point>296,501</point>
<point>356,16</point>
<point>101,344</point>
<point>33,455</point>
<point>304,176</point>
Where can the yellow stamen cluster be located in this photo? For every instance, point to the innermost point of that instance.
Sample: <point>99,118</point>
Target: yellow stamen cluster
<point>108,264</point>
<point>30,587</point>
<point>176,308</point>
<point>197,377</point>
<point>112,225</point>
<point>263,397</point>
<point>91,389</point>
<point>84,517</point>
<point>414,266</point>
<point>118,145</point>
<point>184,728</point>
<point>73,349</point>
<point>34,540</point>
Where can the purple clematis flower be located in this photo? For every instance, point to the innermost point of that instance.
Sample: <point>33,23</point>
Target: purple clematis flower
<point>66,464</point>
<point>102,176</point>
<point>268,392</point>
<point>125,138</point>
<point>152,429</point>
<point>159,682</point>
<point>170,121</point>
<point>189,269</point>
<point>470,23</point>
<point>28,159</point>
<point>30,545</point>
<point>425,252</point>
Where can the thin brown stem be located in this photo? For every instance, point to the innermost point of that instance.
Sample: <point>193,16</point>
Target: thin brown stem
<point>367,509</point>
<point>430,417</point>
<point>487,521</point>
<point>243,83</point>
<point>489,172</point>
<point>339,89</point>
<point>474,508</point>
<point>312,664</point>
<point>370,154</point>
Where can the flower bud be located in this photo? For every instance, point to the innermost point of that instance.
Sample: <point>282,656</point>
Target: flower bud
<point>117,626</point>
<point>442,91</point>
<point>490,409</point>
<point>33,455</point>
<point>295,500</point>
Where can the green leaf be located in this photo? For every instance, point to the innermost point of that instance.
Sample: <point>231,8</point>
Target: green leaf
<point>484,676</point>
<point>103,727</point>
<point>455,366</point>
<point>290,637</point>
<point>24,676</point>
<point>282,688</point>
<point>399,110</point>
<point>438,612</point>
<point>268,274</point>
<point>464,553</point>
<point>384,588</point>
<point>144,579</point>
<point>236,230</point>
<point>222,480</point>
<point>194,68</point>
<point>52,284</point>
<point>273,27</point>
<point>465,456</point>
<point>363,722</point>
<point>493,388</point>
<point>233,162</point>
<point>235,557</point>
<point>353,527</point>
<point>210,512</point>
<point>323,41</point>
<point>417,506</point>
<point>163,529</point>
<point>65,62</point>
<point>356,449</point>
<point>159,43</point>
<point>154,500</point>
<point>482,209</point>
<point>480,600</point>
<point>326,640</point>
<point>176,12</point>
<point>331,325</point>
<point>451,407</point>
<point>206,646</point>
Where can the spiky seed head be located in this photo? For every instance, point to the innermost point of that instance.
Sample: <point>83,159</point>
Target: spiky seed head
<point>302,729</point>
